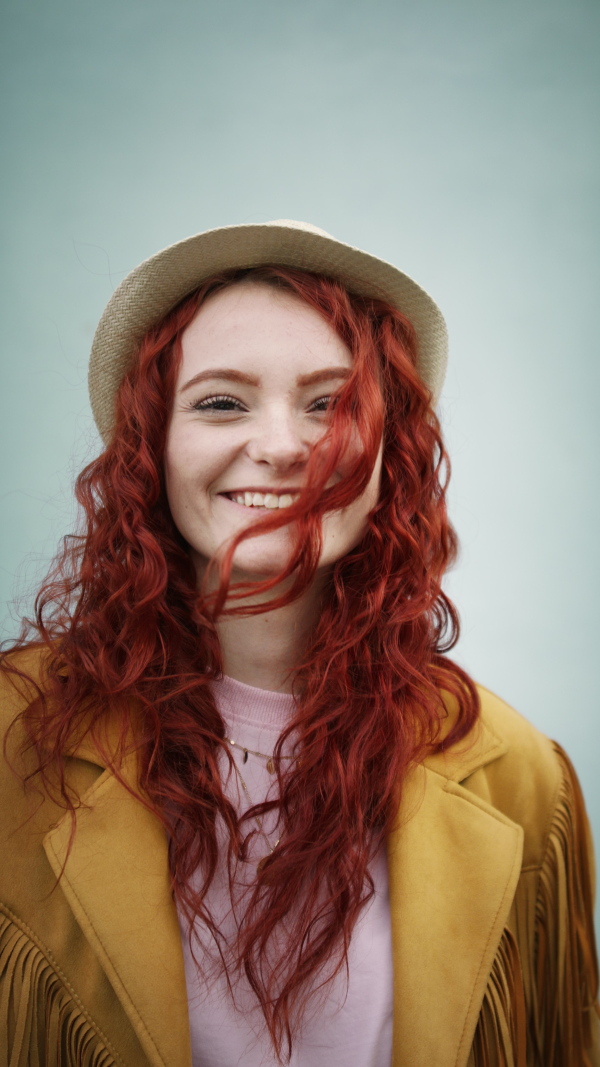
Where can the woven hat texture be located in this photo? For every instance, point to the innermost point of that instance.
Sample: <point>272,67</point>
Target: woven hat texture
<point>159,283</point>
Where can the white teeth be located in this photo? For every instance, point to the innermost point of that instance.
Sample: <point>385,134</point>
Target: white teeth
<point>263,500</point>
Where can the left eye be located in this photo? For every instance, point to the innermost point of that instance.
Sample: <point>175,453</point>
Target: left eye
<point>322,404</point>
<point>217,403</point>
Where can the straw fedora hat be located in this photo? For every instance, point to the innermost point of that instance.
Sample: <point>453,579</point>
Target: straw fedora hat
<point>159,283</point>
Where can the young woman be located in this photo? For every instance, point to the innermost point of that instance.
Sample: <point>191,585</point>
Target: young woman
<point>251,811</point>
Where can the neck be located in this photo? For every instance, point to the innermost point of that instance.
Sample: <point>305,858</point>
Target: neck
<point>263,650</point>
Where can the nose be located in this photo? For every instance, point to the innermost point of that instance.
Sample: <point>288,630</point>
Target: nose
<point>278,441</point>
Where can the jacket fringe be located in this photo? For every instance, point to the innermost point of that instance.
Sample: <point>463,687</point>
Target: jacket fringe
<point>540,1006</point>
<point>42,1023</point>
<point>501,1034</point>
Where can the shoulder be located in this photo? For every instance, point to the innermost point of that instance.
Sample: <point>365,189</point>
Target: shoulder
<point>23,684</point>
<point>508,763</point>
<point>526,754</point>
<point>23,679</point>
<point>524,774</point>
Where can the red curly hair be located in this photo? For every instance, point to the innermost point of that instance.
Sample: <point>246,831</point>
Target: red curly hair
<point>128,634</point>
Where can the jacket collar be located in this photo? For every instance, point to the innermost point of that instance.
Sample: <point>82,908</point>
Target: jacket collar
<point>453,859</point>
<point>481,746</point>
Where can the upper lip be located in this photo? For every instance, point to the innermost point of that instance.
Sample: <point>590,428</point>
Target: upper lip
<point>264,490</point>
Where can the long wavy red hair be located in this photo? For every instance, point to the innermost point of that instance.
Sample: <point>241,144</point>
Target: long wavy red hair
<point>128,634</point>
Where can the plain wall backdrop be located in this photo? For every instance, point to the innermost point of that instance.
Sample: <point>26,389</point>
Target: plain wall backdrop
<point>459,140</point>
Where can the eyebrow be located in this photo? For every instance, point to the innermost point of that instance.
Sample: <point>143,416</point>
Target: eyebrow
<point>231,375</point>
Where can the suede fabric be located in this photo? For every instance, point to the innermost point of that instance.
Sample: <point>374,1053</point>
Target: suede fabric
<point>468,859</point>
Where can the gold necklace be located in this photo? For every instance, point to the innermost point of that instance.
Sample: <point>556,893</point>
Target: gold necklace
<point>263,755</point>
<point>259,822</point>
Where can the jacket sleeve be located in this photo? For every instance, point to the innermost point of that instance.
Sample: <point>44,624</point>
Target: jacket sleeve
<point>540,1008</point>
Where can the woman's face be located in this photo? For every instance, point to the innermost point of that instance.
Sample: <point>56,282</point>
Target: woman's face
<point>251,398</point>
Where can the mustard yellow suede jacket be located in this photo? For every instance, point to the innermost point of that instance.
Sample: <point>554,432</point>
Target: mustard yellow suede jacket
<point>491,891</point>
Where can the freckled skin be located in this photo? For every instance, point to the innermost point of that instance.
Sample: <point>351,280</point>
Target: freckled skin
<point>253,436</point>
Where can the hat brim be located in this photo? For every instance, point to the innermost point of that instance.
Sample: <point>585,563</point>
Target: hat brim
<point>159,283</point>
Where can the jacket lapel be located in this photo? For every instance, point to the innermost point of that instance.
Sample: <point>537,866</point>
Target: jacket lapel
<point>454,863</point>
<point>116,882</point>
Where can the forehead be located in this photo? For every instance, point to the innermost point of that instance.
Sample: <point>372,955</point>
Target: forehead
<point>256,325</point>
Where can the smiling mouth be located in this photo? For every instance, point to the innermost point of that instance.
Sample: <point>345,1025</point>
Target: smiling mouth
<point>262,500</point>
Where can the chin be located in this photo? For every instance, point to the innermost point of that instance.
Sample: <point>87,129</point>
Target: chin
<point>258,569</point>
<point>256,560</point>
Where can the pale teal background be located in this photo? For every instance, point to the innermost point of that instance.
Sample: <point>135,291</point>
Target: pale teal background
<point>457,139</point>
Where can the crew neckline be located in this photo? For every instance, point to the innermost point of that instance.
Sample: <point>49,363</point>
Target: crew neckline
<point>241,703</point>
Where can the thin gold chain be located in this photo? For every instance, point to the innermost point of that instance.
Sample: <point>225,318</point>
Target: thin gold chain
<point>262,755</point>
<point>257,818</point>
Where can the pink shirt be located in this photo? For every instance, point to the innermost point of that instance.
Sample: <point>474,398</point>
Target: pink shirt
<point>352,1026</point>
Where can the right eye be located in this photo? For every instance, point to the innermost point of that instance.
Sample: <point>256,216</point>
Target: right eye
<point>217,403</point>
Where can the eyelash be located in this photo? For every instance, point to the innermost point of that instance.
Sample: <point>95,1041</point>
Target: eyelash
<point>211,403</point>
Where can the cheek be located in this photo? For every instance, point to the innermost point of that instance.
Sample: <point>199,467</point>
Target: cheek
<point>174,493</point>
<point>374,486</point>
<point>172,473</point>
<point>185,459</point>
<point>371,493</point>
<point>182,477</point>
<point>360,509</point>
<point>345,529</point>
